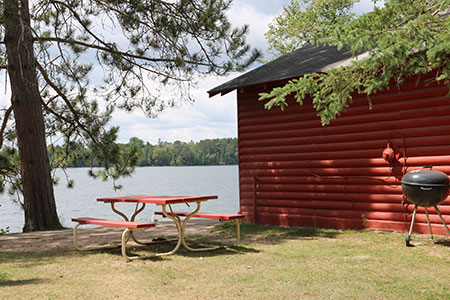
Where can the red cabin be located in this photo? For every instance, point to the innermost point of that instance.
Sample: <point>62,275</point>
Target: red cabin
<point>295,172</point>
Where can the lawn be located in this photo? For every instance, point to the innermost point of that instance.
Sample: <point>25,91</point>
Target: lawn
<point>270,263</point>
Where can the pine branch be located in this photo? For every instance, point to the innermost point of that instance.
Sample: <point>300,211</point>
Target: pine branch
<point>54,112</point>
<point>113,51</point>
<point>169,6</point>
<point>398,27</point>
<point>77,16</point>
<point>66,100</point>
<point>4,123</point>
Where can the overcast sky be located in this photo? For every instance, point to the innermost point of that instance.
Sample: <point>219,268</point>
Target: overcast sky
<point>214,117</point>
<point>207,118</point>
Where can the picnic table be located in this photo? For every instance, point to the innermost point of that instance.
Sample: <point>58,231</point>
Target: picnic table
<point>141,201</point>
<point>166,203</point>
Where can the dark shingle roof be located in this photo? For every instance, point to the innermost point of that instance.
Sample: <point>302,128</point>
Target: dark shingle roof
<point>308,59</point>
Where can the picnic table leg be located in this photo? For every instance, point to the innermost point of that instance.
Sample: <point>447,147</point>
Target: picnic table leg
<point>177,222</point>
<point>133,217</point>
<point>75,237</point>
<point>125,237</point>
<point>238,230</point>
<point>119,212</point>
<point>183,226</point>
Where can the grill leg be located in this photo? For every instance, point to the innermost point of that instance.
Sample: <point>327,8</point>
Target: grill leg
<point>408,235</point>
<point>429,225</point>
<point>440,216</point>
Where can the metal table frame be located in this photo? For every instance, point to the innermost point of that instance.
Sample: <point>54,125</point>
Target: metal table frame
<point>166,203</point>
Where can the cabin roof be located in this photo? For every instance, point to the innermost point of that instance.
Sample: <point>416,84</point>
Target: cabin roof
<point>308,59</point>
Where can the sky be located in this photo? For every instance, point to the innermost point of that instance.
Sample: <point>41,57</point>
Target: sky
<point>215,117</point>
<point>206,118</point>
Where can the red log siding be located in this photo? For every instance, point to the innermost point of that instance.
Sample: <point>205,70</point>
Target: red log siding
<point>296,172</point>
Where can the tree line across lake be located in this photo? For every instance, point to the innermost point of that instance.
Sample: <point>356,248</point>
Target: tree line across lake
<point>206,152</point>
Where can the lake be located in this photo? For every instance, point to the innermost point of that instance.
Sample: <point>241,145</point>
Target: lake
<point>80,201</point>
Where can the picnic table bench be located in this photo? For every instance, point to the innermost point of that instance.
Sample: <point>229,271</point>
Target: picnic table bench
<point>129,226</point>
<point>218,216</point>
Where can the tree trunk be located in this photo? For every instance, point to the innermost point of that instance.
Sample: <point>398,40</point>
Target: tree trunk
<point>39,200</point>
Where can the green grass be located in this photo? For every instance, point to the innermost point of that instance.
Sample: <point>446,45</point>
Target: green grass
<point>272,262</point>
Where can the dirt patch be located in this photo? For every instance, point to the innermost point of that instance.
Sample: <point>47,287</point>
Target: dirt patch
<point>43,241</point>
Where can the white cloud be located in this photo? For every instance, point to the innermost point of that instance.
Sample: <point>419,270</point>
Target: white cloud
<point>5,97</point>
<point>245,12</point>
<point>204,119</point>
<point>365,6</point>
<point>208,117</point>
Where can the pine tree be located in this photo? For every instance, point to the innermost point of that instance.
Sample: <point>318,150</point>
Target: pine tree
<point>399,39</point>
<point>71,63</point>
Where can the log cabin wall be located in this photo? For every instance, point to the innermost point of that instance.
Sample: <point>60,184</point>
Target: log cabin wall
<point>295,172</point>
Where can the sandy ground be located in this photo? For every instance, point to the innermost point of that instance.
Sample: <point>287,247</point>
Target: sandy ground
<point>63,239</point>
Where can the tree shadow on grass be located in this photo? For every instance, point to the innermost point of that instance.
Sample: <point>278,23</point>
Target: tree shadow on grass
<point>222,249</point>
<point>31,259</point>
<point>20,282</point>
<point>256,233</point>
<point>225,237</point>
<point>223,234</point>
<point>442,242</point>
<point>40,258</point>
<point>195,242</point>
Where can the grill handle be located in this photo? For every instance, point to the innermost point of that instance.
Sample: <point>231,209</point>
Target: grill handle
<point>426,188</point>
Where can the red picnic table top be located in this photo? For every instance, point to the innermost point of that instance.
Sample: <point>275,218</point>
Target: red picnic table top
<point>161,200</point>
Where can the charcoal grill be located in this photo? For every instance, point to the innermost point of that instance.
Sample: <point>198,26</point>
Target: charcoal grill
<point>426,188</point>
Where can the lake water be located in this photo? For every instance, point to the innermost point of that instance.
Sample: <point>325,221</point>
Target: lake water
<point>80,201</point>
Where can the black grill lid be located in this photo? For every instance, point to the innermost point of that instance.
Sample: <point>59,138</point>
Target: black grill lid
<point>425,177</point>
